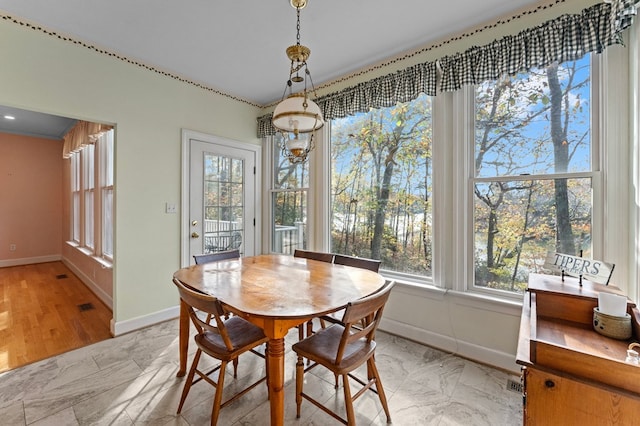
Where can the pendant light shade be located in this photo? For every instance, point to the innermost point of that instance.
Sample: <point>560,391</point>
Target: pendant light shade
<point>297,114</point>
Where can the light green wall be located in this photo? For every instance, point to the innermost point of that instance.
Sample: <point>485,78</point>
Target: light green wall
<point>43,73</point>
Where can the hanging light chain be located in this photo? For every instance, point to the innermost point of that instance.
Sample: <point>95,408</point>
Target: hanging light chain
<point>298,26</point>
<point>296,118</point>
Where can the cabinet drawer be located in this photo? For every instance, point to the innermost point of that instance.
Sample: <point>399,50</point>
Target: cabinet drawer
<point>555,400</point>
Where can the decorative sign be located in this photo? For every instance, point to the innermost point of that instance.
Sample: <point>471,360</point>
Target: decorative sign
<point>593,270</point>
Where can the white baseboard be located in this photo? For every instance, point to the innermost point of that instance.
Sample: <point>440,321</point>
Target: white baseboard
<point>102,295</point>
<point>420,335</point>
<point>30,260</point>
<point>502,360</point>
<point>122,327</point>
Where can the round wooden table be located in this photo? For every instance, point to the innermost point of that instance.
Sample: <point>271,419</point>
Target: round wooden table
<point>275,292</point>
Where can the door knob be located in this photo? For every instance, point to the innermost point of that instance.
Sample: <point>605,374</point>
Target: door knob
<point>194,223</point>
<point>195,235</point>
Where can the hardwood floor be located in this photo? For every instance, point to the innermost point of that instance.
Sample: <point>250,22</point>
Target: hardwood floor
<point>46,310</point>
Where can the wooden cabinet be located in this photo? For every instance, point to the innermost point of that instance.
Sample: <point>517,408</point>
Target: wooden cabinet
<point>573,375</point>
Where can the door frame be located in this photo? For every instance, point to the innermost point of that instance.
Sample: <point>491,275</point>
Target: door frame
<point>185,232</point>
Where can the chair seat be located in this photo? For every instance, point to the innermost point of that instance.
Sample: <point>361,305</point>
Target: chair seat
<point>241,334</point>
<point>323,346</point>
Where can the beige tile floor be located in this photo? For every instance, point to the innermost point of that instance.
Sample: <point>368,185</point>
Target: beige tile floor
<point>131,380</point>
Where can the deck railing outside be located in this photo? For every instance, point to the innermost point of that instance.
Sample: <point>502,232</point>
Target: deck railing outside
<point>222,235</point>
<point>288,238</point>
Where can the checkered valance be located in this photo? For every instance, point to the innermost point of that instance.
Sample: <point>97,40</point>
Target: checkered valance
<point>565,38</point>
<point>385,91</point>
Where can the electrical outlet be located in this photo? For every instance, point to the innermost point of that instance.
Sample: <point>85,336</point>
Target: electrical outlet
<point>12,247</point>
<point>171,208</point>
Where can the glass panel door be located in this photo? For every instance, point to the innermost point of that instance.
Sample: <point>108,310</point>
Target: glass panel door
<point>221,210</point>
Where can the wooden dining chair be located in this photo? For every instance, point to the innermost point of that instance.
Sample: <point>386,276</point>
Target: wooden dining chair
<point>357,262</point>
<point>343,348</point>
<point>313,255</point>
<point>217,256</point>
<point>224,340</point>
<point>201,259</point>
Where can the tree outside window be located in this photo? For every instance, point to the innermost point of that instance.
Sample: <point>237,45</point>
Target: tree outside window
<point>532,183</point>
<point>381,188</point>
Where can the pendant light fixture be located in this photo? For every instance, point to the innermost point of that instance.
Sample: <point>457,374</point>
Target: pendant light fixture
<point>297,117</point>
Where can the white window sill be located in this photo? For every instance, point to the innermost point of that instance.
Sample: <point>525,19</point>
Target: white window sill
<point>104,263</point>
<point>509,306</point>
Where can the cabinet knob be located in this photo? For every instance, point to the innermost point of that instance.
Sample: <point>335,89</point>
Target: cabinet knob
<point>549,383</point>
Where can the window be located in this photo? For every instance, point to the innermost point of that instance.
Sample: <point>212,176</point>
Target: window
<point>381,188</point>
<point>533,172</point>
<point>88,169</point>
<point>91,167</point>
<point>289,192</point>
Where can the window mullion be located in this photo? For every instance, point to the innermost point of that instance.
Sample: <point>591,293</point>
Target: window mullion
<point>463,142</point>
<point>615,207</point>
<point>444,188</point>
<point>319,192</point>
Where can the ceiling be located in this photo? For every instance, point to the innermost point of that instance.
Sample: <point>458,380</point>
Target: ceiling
<point>35,124</point>
<point>238,47</point>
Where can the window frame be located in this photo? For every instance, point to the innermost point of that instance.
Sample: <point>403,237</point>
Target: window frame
<point>317,192</point>
<point>463,165</point>
<point>87,181</point>
<point>271,153</point>
<point>407,277</point>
